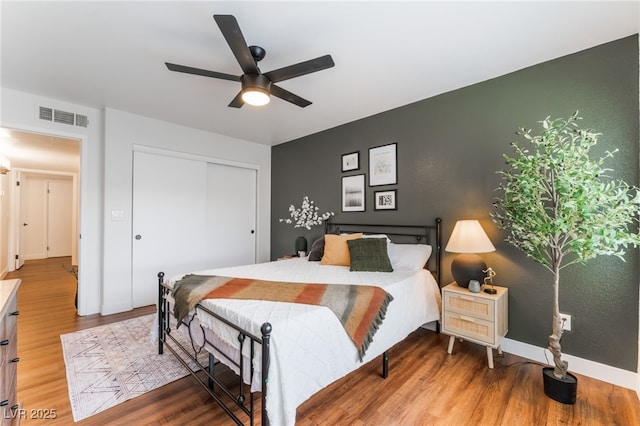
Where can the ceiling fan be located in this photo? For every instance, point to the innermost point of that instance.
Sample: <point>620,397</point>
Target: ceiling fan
<point>256,86</point>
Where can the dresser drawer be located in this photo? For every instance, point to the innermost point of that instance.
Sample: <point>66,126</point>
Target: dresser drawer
<point>466,304</point>
<point>467,327</point>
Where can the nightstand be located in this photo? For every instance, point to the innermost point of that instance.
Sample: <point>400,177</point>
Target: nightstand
<point>480,318</point>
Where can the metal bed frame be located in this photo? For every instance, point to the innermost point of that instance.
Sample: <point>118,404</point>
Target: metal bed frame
<point>240,396</point>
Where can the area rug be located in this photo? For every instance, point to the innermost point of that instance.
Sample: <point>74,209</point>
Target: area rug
<point>113,363</point>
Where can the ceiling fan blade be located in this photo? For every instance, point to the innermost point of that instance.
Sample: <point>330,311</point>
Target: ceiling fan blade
<point>288,96</point>
<point>302,68</point>
<point>237,102</point>
<point>231,32</point>
<point>198,71</point>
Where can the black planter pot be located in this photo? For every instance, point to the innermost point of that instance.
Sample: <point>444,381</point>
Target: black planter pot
<point>562,390</point>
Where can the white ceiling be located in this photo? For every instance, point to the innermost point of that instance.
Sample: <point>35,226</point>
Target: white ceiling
<point>387,54</point>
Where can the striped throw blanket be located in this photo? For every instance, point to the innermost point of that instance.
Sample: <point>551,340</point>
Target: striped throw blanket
<point>360,309</point>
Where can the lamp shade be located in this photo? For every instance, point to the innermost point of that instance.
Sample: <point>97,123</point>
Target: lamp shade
<point>468,238</point>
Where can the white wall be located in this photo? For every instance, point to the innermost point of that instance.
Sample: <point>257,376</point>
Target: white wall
<point>19,110</point>
<point>123,131</point>
<point>106,155</point>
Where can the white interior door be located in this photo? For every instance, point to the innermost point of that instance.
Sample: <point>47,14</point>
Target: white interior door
<point>34,225</point>
<point>168,219</point>
<point>19,226</point>
<point>59,218</point>
<point>231,205</point>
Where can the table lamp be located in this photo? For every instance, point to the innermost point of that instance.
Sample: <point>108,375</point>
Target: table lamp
<point>468,238</point>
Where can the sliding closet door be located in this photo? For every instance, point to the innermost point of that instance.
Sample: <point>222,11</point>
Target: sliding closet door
<point>169,220</point>
<point>231,205</point>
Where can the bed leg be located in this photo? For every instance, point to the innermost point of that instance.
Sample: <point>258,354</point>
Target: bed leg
<point>161,312</point>
<point>385,365</point>
<point>212,361</point>
<point>266,339</point>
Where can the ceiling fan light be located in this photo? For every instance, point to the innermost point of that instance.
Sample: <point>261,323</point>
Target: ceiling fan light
<point>5,165</point>
<point>255,96</point>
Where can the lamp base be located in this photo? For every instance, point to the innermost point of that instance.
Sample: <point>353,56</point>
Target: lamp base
<point>466,267</point>
<point>490,290</point>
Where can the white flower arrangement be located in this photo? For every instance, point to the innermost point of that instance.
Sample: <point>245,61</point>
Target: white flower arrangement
<point>307,215</point>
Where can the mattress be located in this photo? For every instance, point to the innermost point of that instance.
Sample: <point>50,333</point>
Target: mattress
<point>309,347</point>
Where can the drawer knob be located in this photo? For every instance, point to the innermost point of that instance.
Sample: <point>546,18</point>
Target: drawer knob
<point>15,313</point>
<point>4,343</point>
<point>3,403</point>
<point>16,359</point>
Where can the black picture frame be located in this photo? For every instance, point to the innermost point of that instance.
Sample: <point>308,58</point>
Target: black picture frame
<point>385,200</point>
<point>351,161</point>
<point>383,165</point>
<point>353,193</point>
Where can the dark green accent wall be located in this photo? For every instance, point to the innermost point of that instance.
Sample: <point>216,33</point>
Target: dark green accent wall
<point>449,148</point>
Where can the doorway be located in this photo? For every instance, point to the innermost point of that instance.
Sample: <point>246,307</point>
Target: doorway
<point>50,165</point>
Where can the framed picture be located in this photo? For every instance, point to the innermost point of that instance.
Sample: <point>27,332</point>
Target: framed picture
<point>353,193</point>
<point>383,165</point>
<point>351,161</point>
<point>386,200</point>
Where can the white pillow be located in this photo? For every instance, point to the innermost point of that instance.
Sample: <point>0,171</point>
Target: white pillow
<point>408,257</point>
<point>377,236</point>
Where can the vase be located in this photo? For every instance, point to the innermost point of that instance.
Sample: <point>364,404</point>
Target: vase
<point>301,244</point>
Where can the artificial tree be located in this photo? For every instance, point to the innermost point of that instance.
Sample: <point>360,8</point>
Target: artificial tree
<point>561,207</point>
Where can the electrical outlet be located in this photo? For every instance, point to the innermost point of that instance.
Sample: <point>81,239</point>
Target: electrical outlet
<point>566,322</point>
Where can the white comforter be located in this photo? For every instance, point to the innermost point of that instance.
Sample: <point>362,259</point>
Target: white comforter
<point>309,347</point>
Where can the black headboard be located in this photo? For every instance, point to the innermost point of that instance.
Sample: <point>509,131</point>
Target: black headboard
<point>423,234</point>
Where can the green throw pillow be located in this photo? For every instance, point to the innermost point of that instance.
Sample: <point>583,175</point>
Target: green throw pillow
<point>369,254</point>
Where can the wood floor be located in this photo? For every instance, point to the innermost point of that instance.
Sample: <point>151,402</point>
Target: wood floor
<point>426,386</point>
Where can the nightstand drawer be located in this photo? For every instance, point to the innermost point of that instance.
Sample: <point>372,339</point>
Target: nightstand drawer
<point>466,304</point>
<point>465,326</point>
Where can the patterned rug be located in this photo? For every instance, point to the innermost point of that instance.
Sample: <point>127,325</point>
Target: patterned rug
<point>113,363</point>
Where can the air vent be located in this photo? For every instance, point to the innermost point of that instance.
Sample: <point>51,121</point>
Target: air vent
<point>46,113</point>
<point>82,120</point>
<point>63,117</point>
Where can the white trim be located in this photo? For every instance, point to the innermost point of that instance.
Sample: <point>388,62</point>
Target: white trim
<point>595,370</point>
<point>197,157</point>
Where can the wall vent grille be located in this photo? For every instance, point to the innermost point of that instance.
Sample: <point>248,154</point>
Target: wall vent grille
<point>46,113</point>
<point>82,120</point>
<point>63,117</point>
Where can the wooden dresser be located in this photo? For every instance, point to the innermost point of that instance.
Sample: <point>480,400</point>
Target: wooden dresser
<point>8,351</point>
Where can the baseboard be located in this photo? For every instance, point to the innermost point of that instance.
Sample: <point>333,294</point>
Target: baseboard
<point>116,308</point>
<point>595,370</point>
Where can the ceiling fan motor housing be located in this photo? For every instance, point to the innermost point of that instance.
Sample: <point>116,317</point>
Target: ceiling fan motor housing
<point>255,81</point>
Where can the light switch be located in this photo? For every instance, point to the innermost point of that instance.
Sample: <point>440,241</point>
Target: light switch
<point>117,215</point>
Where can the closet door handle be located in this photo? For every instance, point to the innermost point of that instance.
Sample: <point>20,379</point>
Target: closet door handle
<point>4,343</point>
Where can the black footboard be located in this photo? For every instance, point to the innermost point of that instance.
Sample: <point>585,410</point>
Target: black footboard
<point>227,398</point>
